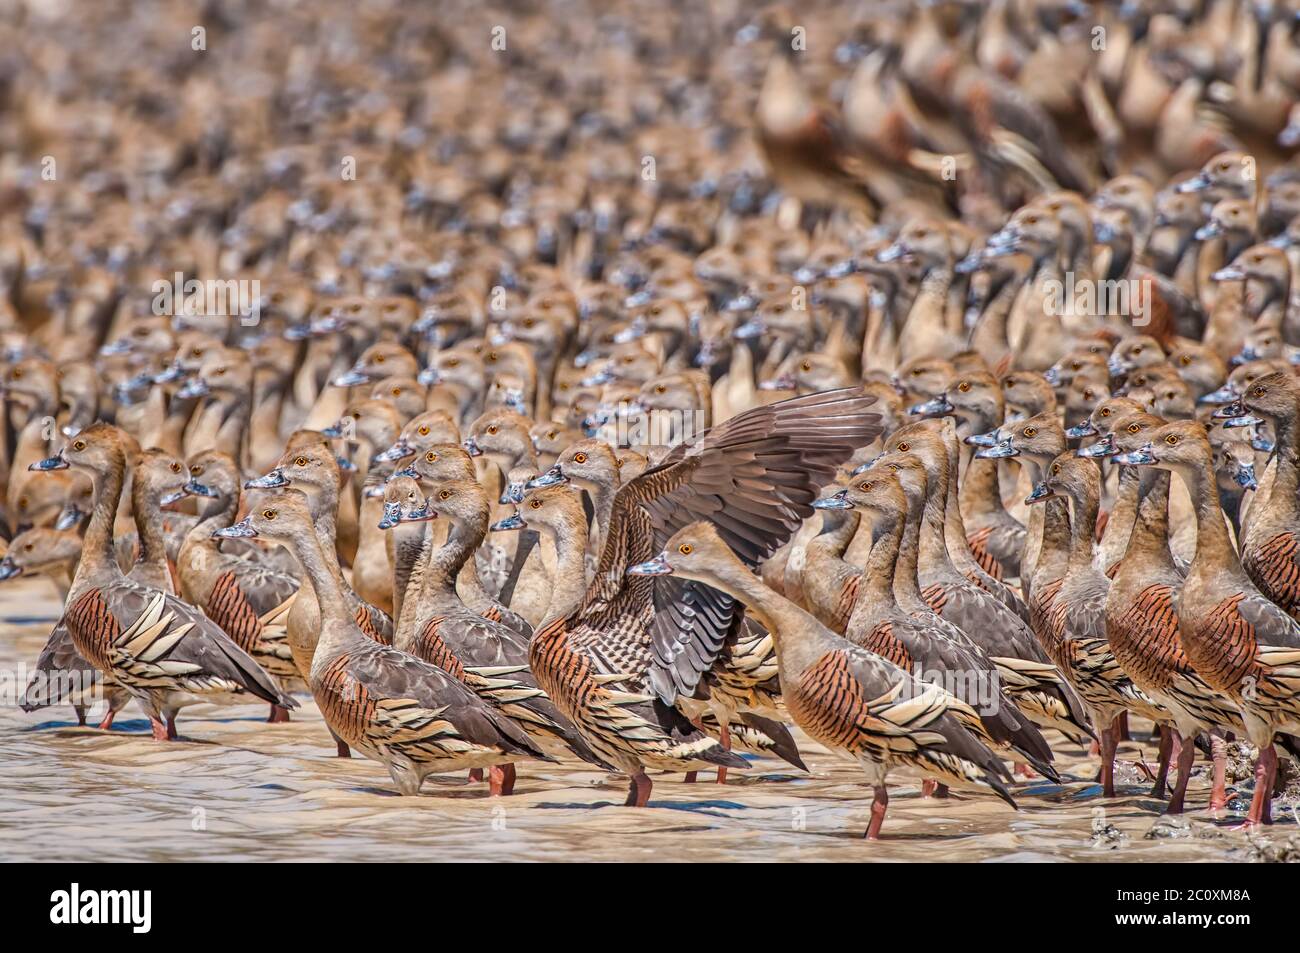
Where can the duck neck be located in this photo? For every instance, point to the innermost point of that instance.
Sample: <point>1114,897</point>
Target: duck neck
<point>1083,527</point>
<point>1054,530</point>
<point>906,589</point>
<point>199,538</point>
<point>569,584</point>
<point>447,561</point>
<point>838,530</point>
<point>326,585</point>
<point>1148,543</point>
<point>1214,549</point>
<point>98,555</point>
<point>933,551</point>
<point>146,503</point>
<point>883,564</point>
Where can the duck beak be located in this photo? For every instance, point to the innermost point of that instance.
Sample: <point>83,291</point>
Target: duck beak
<point>513,521</point>
<point>936,407</point>
<point>898,251</point>
<point>428,377</point>
<point>115,348</point>
<point>69,517</point>
<point>1244,356</point>
<point>1289,137</point>
<point>373,492</point>
<point>9,569</point>
<point>552,477</point>
<point>1197,183</point>
<point>970,264</point>
<point>241,530</point>
<point>783,382</point>
<point>1117,366</point>
<point>750,329</point>
<point>1210,229</point>
<point>596,380</point>
<point>1003,242</point>
<point>1041,492</point>
<point>392,515</point>
<point>353,378</point>
<point>1234,408</point>
<point>513,493</point>
<point>1223,395</point>
<point>652,567</point>
<point>1244,476</point>
<point>194,387</point>
<point>842,269</point>
<point>344,463</point>
<point>174,372</point>
<point>270,481</point>
<point>335,430</point>
<point>1053,376</point>
<point>422,515</point>
<point>999,450</point>
<point>1104,447</point>
<point>1230,273</point>
<point>472,448</point>
<point>55,462</point>
<point>398,451</point>
<point>167,499</point>
<point>406,472</point>
<point>1262,444</point>
<point>1142,456</point>
<point>983,439</point>
<point>838,501</point>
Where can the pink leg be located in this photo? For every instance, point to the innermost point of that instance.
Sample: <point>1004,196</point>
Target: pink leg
<point>1186,753</point>
<point>501,780</point>
<point>475,775</point>
<point>691,776</point>
<point>1162,770</point>
<point>638,791</point>
<point>160,732</point>
<point>277,715</point>
<point>879,804</point>
<point>107,721</point>
<point>1219,789</point>
<point>933,788</point>
<point>725,738</point>
<point>1265,773</point>
<point>1109,741</point>
<point>1024,771</point>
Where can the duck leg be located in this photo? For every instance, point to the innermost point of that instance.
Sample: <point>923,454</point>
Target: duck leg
<point>1261,805</point>
<point>160,732</point>
<point>638,790</point>
<point>171,727</point>
<point>107,722</point>
<point>932,788</point>
<point>724,737</point>
<point>1186,753</point>
<point>277,715</point>
<point>1109,741</point>
<point>501,780</point>
<point>1219,790</point>
<point>690,777</point>
<point>475,775</point>
<point>879,804</point>
<point>81,714</point>
<point>1162,769</point>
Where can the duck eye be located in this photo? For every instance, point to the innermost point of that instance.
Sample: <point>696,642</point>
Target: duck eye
<point>579,457</point>
<point>660,389</point>
<point>1105,411</point>
<point>445,495</point>
<point>805,366</point>
<point>685,549</point>
<point>268,514</point>
<point>1030,431</point>
<point>492,430</point>
<point>1185,360</point>
<point>904,447</point>
<point>1172,440</point>
<point>535,504</point>
<point>1257,392</point>
<point>917,371</point>
<point>1133,428</point>
<point>397,392</point>
<point>196,352</point>
<point>423,431</point>
<point>864,486</point>
<point>1075,365</point>
<point>964,386</point>
<point>22,502</point>
<point>1056,468</point>
<point>79,445</point>
<point>196,470</point>
<point>176,468</point>
<point>17,373</point>
<point>454,362</point>
<point>431,457</point>
<point>29,547</point>
<point>300,462</point>
<point>379,358</point>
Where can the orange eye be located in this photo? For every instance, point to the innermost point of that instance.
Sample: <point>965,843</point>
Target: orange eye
<point>268,514</point>
<point>431,457</point>
<point>423,431</point>
<point>904,447</point>
<point>805,366</point>
<point>1185,360</point>
<point>1030,431</point>
<point>1172,440</point>
<point>397,392</point>
<point>579,457</point>
<point>196,469</point>
<point>1257,392</point>
<point>17,373</point>
<point>176,468</point>
<point>300,462</point>
<point>1105,412</point>
<point>492,430</point>
<point>1134,428</point>
<point>79,445</point>
<point>964,386</point>
<point>22,502</point>
<point>1056,468</point>
<point>660,389</point>
<point>379,358</point>
<point>864,486</point>
<point>454,362</point>
<point>535,504</point>
<point>685,549</point>
<point>445,495</point>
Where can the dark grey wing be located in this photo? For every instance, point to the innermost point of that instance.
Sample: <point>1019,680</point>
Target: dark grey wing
<point>61,671</point>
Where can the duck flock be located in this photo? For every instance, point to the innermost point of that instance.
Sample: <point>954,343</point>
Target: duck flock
<point>637,383</point>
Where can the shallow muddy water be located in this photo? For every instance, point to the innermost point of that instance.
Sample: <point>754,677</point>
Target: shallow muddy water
<point>238,789</point>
